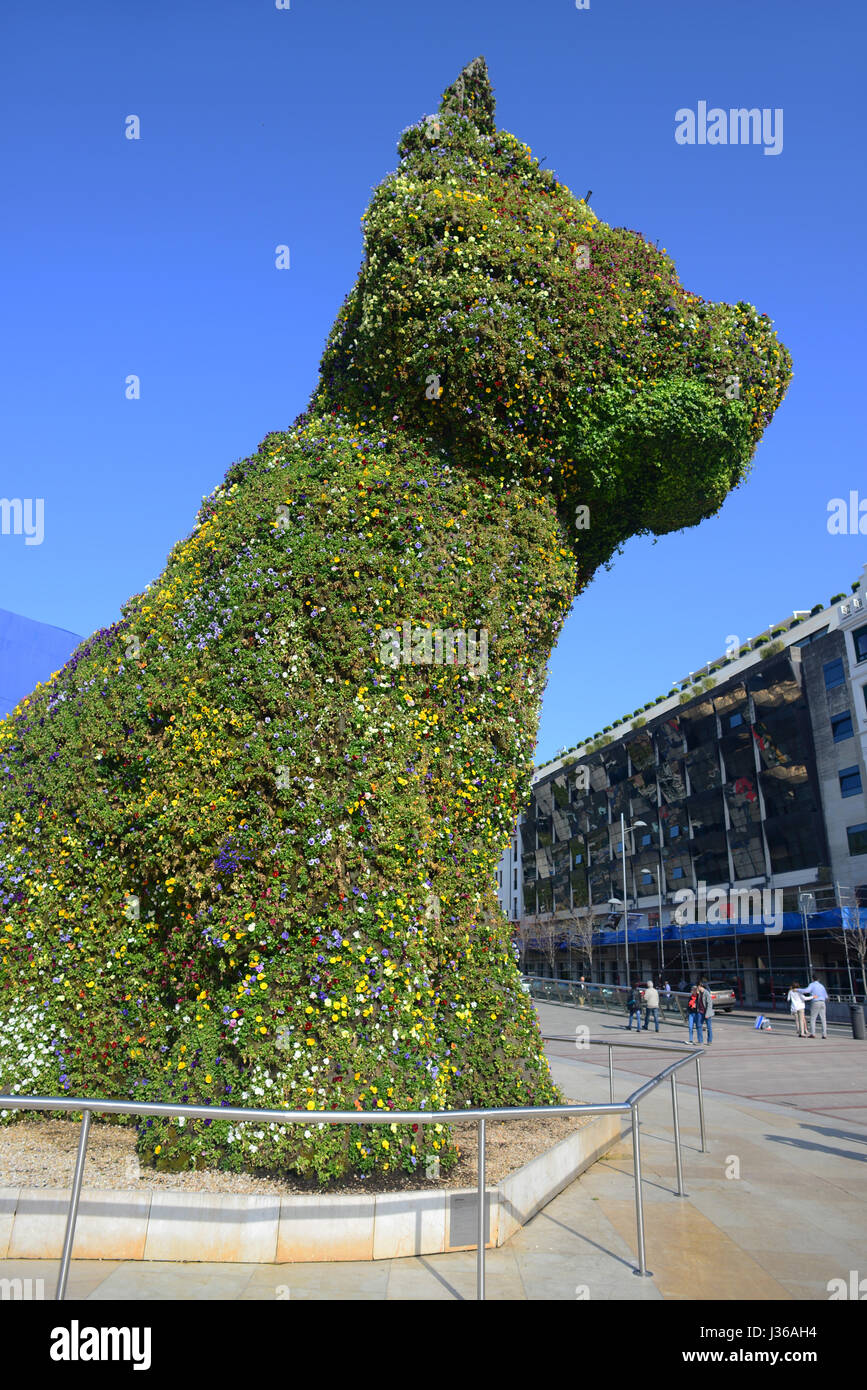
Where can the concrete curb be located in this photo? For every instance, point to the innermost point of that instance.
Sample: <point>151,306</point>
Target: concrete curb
<point>161,1224</point>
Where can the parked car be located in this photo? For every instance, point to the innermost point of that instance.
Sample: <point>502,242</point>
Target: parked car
<point>723,997</point>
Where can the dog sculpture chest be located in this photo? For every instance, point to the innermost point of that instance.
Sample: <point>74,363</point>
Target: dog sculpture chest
<point>249,833</point>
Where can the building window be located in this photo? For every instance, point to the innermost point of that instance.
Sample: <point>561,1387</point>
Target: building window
<point>813,637</point>
<point>645,840</point>
<point>859,636</point>
<point>677,871</point>
<point>841,726</point>
<point>833,672</point>
<point>857,838</point>
<point>850,781</point>
<point>673,832</point>
<point>735,720</point>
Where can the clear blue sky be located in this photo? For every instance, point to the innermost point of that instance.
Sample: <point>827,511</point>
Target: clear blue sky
<point>261,126</point>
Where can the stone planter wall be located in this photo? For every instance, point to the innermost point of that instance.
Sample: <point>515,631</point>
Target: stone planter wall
<point>161,1224</point>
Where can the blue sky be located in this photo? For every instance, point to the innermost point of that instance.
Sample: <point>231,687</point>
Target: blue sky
<point>262,126</point>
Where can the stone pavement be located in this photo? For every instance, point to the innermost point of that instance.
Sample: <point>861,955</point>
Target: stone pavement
<point>774,1209</point>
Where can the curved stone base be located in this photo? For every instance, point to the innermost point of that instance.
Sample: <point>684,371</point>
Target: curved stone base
<point>160,1224</point>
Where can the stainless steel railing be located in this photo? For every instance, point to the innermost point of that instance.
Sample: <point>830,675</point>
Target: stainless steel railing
<point>89,1106</point>
<point>609,998</point>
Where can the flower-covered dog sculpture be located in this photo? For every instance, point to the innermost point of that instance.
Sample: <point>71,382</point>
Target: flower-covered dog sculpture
<point>249,833</point>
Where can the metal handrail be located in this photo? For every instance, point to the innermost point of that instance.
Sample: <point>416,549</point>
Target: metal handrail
<point>89,1106</point>
<point>545,989</point>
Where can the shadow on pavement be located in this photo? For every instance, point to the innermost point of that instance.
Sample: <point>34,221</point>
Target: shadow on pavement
<point>817,1148</point>
<point>431,1269</point>
<point>837,1133</point>
<point>546,1215</point>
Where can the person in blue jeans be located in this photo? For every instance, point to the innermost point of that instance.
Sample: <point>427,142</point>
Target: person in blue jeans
<point>706,1008</point>
<point>651,1005</point>
<point>694,1013</point>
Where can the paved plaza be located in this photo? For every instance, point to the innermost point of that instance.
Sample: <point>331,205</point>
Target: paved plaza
<point>775,1208</point>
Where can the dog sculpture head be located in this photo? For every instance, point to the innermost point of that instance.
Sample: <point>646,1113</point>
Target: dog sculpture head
<point>497,316</point>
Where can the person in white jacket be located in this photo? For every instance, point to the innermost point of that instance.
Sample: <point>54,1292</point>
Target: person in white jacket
<point>799,1009</point>
<point>651,1005</point>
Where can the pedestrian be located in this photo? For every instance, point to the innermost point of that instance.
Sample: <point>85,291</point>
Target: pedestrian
<point>818,996</point>
<point>633,1004</point>
<point>667,990</point>
<point>694,1014</point>
<point>799,1009</point>
<point>682,987</point>
<point>706,1007</point>
<point>651,1005</point>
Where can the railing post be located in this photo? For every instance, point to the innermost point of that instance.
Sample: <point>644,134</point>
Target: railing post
<point>480,1257</point>
<point>639,1207</point>
<point>674,1114</point>
<point>700,1102</point>
<point>72,1215</point>
<point>611,1073</point>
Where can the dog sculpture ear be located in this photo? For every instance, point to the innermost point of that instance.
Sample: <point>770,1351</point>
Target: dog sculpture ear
<point>471,96</point>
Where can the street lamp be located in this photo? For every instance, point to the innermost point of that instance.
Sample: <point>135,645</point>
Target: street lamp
<point>661,944</point>
<point>807,903</point>
<point>623,829</point>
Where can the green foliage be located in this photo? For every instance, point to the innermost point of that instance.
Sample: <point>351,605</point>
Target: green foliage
<point>246,858</point>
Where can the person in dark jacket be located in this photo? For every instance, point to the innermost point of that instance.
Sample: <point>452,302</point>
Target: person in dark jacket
<point>633,1004</point>
<point>694,1013</point>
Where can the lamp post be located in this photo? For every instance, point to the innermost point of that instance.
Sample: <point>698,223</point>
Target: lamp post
<point>623,829</point>
<point>807,903</point>
<point>843,921</point>
<point>661,944</point>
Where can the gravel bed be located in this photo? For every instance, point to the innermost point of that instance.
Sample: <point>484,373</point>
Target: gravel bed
<point>41,1153</point>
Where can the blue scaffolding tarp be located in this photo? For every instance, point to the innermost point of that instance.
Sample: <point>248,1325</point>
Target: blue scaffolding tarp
<point>832,920</point>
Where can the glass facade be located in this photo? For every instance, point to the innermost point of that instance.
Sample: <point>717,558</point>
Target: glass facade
<point>727,791</point>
